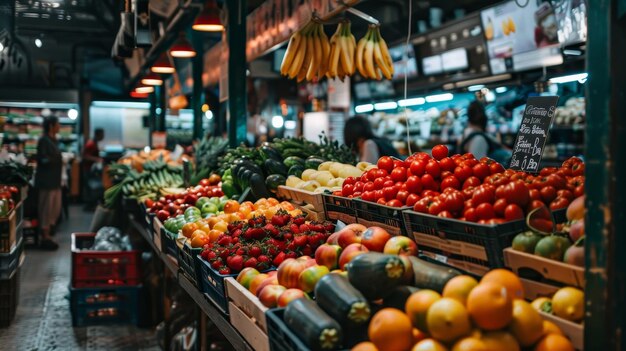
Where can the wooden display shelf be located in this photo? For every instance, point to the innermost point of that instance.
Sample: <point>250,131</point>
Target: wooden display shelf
<point>526,265</point>
<point>301,197</point>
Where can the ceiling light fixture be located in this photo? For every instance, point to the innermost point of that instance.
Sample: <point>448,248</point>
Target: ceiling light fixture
<point>439,97</point>
<point>364,108</point>
<point>144,89</point>
<point>182,48</point>
<point>412,102</point>
<point>163,65</point>
<point>152,79</point>
<point>388,105</point>
<point>38,43</point>
<point>72,113</point>
<point>580,78</point>
<point>209,19</point>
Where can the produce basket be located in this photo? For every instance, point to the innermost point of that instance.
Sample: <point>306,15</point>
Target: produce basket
<point>9,262</point>
<point>8,228</point>
<point>105,306</point>
<point>301,197</point>
<point>372,214</point>
<point>280,337</point>
<point>246,302</point>
<point>542,269</point>
<point>211,283</point>
<point>338,208</point>
<point>9,298</point>
<point>188,260</point>
<point>168,243</point>
<point>102,268</point>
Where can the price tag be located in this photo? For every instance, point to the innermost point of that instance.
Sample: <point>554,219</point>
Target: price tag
<point>533,133</point>
<point>441,258</point>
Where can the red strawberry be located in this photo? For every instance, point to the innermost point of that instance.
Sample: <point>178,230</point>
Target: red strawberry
<point>255,233</point>
<point>291,246</point>
<point>240,251</point>
<point>271,230</point>
<point>300,241</point>
<point>316,227</point>
<point>293,228</point>
<point>278,220</point>
<point>262,266</point>
<point>224,241</point>
<point>279,259</point>
<point>329,227</point>
<point>299,220</point>
<point>264,259</point>
<point>291,254</point>
<point>272,251</point>
<point>235,240</point>
<point>251,262</point>
<point>224,271</point>
<point>217,264</point>
<point>304,228</point>
<point>307,250</point>
<point>236,233</point>
<point>210,255</point>
<point>224,253</point>
<point>236,263</point>
<point>255,251</point>
<point>231,227</point>
<point>288,236</point>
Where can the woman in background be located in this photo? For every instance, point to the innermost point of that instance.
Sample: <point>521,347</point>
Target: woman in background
<point>48,181</point>
<point>477,141</point>
<point>358,135</point>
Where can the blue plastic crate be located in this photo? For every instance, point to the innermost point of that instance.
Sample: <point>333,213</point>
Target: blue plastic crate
<point>168,243</point>
<point>211,283</point>
<point>105,306</point>
<point>188,261</point>
<point>9,262</point>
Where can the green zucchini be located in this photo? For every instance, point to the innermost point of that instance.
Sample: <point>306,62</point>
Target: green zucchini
<point>257,187</point>
<point>292,161</point>
<point>312,325</point>
<point>375,274</point>
<point>273,181</point>
<point>432,276</point>
<point>296,170</point>
<point>313,162</point>
<point>342,301</point>
<point>399,295</point>
<point>268,152</point>
<point>275,167</point>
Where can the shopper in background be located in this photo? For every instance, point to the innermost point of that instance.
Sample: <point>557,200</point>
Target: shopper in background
<point>48,181</point>
<point>358,135</point>
<point>477,141</point>
<point>92,179</point>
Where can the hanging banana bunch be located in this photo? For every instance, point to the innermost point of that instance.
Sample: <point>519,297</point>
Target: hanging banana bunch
<point>372,55</point>
<point>342,52</point>
<point>307,53</point>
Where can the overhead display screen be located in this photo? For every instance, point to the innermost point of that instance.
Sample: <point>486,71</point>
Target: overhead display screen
<point>432,65</point>
<point>454,60</point>
<point>401,66</point>
<point>571,16</point>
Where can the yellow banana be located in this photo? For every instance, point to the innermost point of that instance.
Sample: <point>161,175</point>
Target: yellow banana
<point>385,52</point>
<point>314,52</point>
<point>346,63</point>
<point>292,49</point>
<point>341,74</point>
<point>360,50</point>
<point>368,57</point>
<point>378,58</point>
<point>334,58</point>
<point>296,64</point>
<point>325,53</point>
<point>307,60</point>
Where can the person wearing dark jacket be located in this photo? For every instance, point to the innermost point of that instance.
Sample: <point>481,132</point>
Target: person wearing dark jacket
<point>48,181</point>
<point>358,135</point>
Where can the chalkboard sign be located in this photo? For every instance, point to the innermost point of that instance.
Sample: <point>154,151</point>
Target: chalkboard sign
<point>533,132</point>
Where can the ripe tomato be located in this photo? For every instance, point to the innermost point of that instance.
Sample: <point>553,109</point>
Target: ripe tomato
<point>470,215</point>
<point>422,204</point>
<point>414,185</point>
<point>385,163</point>
<point>347,190</point>
<point>579,190</point>
<point>450,182</point>
<point>358,186</point>
<point>447,164</point>
<point>517,193</point>
<point>513,212</point>
<point>371,174</point>
<point>548,193</point>
<point>357,194</point>
<point>402,196</point>
<point>379,183</point>
<point>381,201</point>
<point>468,192</point>
<point>412,199</point>
<point>470,162</point>
<point>378,194</point>
<point>432,168</point>
<point>547,171</point>
<point>435,207</point>
<point>471,181</point>
<point>445,214</point>
<point>369,186</point>
<point>485,211</point>
<point>388,182</point>
<point>534,204</point>
<point>566,194</point>
<point>557,181</point>
<point>349,180</point>
<point>431,193</point>
<point>481,171</point>
<point>439,152</point>
<point>398,174</point>
<point>495,168</point>
<point>463,172</point>
<point>534,194</point>
<point>418,167</point>
<point>381,173</point>
<point>368,196</point>
<point>428,182</point>
<point>453,201</point>
<point>483,194</point>
<point>390,192</point>
<point>496,179</point>
<point>499,207</point>
<point>394,203</point>
<point>558,203</point>
<point>445,174</point>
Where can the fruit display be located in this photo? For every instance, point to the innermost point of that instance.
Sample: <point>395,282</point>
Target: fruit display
<point>567,303</point>
<point>342,52</point>
<point>207,197</point>
<point>372,55</point>
<point>138,160</point>
<point>269,236</point>
<point>328,177</point>
<point>307,53</point>
<point>465,188</point>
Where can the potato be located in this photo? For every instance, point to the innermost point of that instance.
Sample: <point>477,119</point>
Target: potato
<point>350,171</point>
<point>336,167</point>
<point>336,182</point>
<point>324,177</point>
<point>325,166</point>
<point>307,174</point>
<point>363,165</point>
<point>317,174</point>
<point>310,185</point>
<point>293,181</point>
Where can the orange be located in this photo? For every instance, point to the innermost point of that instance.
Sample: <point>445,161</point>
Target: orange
<point>391,330</point>
<point>459,287</point>
<point>214,234</point>
<point>272,201</point>
<point>417,305</point>
<point>508,279</point>
<point>447,320</point>
<point>287,206</point>
<point>204,226</point>
<point>199,239</point>
<point>490,306</point>
<point>231,206</point>
<point>429,345</point>
<point>470,344</point>
<point>212,221</point>
<point>244,211</point>
<point>527,324</point>
<point>418,335</point>
<point>221,226</point>
<point>554,342</point>
<point>365,346</point>
<point>551,328</point>
<point>188,229</point>
<point>261,203</point>
<point>500,341</point>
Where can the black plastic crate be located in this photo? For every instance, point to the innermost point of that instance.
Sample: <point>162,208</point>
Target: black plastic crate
<point>280,336</point>
<point>9,298</point>
<point>188,261</point>
<point>168,243</point>
<point>9,262</point>
<point>470,246</point>
<point>211,283</point>
<point>147,218</point>
<point>338,208</point>
<point>387,217</point>
<point>105,306</point>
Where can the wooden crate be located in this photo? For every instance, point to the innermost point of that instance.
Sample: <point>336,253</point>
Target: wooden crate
<point>245,301</point>
<point>574,331</point>
<point>526,265</point>
<point>470,267</point>
<point>247,327</point>
<point>300,197</point>
<point>156,232</point>
<point>534,289</point>
<point>311,213</point>
<point>8,230</point>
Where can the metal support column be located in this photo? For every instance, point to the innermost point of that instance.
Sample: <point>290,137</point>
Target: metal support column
<point>605,146</point>
<point>162,98</point>
<point>237,102</point>
<point>197,95</point>
<point>152,116</point>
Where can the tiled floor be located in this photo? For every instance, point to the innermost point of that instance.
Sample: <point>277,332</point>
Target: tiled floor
<point>43,320</point>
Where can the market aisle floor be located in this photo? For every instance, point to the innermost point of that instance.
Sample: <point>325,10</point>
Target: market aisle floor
<point>43,320</point>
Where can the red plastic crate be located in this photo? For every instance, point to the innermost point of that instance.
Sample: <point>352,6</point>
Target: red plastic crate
<point>102,268</point>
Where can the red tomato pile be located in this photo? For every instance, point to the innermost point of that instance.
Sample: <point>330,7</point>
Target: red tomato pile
<point>172,205</point>
<point>462,187</point>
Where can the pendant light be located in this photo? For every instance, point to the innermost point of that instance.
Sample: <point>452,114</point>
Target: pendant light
<point>144,89</point>
<point>209,19</point>
<point>182,48</point>
<point>152,79</point>
<point>163,65</point>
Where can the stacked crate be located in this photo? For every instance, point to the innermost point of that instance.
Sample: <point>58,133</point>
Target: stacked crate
<point>106,285</point>
<point>11,256</point>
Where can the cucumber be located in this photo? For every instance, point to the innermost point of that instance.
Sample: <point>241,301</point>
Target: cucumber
<point>273,181</point>
<point>268,152</point>
<point>375,274</point>
<point>257,187</point>
<point>431,276</point>
<point>296,170</point>
<point>312,325</point>
<point>313,162</point>
<point>292,161</point>
<point>342,301</point>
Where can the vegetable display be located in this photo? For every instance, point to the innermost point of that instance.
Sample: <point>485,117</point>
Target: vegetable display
<point>15,173</point>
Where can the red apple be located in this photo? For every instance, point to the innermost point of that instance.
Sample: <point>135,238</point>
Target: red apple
<point>332,239</point>
<point>266,282</point>
<point>270,294</point>
<point>289,272</point>
<point>309,277</point>
<point>307,260</point>
<point>350,234</point>
<point>401,245</point>
<point>256,281</point>
<point>328,255</point>
<point>576,230</point>
<point>350,252</point>
<point>289,295</point>
<point>375,238</point>
<point>576,209</point>
<point>246,276</point>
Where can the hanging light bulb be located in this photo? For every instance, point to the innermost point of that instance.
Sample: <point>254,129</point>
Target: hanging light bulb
<point>152,79</point>
<point>144,89</point>
<point>163,65</point>
<point>209,19</point>
<point>182,48</point>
